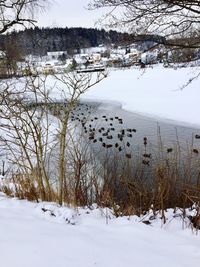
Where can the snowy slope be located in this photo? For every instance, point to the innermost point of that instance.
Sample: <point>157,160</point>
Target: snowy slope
<point>62,237</point>
<point>155,92</point>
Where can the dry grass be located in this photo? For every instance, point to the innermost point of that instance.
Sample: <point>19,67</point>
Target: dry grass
<point>169,178</point>
<point>167,183</point>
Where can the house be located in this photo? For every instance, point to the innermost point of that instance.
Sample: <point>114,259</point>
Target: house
<point>2,55</point>
<point>133,57</point>
<point>56,55</point>
<point>96,57</point>
<point>48,69</point>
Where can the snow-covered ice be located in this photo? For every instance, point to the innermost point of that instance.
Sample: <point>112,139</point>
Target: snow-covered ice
<point>155,92</point>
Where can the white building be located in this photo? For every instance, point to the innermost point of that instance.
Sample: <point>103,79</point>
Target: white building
<point>55,55</point>
<point>2,54</point>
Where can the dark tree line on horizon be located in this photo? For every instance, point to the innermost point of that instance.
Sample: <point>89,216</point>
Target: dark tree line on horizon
<point>39,41</point>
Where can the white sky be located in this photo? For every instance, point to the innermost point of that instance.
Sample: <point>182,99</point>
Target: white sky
<point>69,13</point>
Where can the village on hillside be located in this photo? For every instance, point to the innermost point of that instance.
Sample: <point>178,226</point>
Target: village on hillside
<point>95,59</point>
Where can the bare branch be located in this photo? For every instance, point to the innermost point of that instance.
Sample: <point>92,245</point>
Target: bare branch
<point>18,12</point>
<point>170,19</point>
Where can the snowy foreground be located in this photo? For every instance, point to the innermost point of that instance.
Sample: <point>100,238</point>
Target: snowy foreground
<point>157,92</point>
<point>46,235</point>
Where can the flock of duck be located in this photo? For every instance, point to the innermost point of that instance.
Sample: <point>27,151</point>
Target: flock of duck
<point>108,132</point>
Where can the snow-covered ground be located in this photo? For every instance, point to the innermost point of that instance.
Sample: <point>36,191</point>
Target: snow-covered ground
<point>60,237</point>
<point>155,92</point>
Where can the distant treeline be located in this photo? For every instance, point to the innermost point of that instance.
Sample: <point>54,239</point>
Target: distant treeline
<point>38,41</point>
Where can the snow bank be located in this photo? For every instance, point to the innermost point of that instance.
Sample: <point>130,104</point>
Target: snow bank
<point>45,234</point>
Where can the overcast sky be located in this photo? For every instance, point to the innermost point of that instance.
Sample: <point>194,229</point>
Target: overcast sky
<point>69,13</point>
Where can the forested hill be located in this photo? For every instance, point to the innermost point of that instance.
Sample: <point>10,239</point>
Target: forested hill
<point>38,41</point>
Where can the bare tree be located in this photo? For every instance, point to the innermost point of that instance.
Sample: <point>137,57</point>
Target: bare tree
<point>33,142</point>
<point>159,20</point>
<point>12,55</point>
<point>14,13</point>
<point>25,132</point>
<point>18,12</point>
<point>76,85</point>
